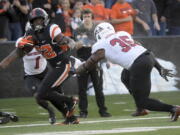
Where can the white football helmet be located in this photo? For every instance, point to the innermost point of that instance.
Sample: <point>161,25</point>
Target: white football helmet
<point>102,30</point>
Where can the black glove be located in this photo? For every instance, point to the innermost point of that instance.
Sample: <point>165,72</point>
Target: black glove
<point>166,73</point>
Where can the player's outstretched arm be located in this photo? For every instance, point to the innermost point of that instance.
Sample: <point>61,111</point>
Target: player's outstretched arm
<point>91,62</point>
<point>164,73</point>
<point>10,58</point>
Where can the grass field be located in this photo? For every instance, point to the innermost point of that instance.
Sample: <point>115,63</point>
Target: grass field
<point>34,120</point>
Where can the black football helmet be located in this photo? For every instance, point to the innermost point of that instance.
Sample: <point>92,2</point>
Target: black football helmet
<point>38,13</point>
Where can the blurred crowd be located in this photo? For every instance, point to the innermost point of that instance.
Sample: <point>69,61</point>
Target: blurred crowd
<point>138,17</point>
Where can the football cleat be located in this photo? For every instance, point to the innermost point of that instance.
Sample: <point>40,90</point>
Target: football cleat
<point>52,120</point>
<point>140,112</point>
<point>71,107</point>
<point>175,114</point>
<point>71,120</point>
<point>52,117</point>
<point>105,114</point>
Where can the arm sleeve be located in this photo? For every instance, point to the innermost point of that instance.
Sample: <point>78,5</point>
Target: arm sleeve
<point>157,65</point>
<point>91,62</point>
<point>54,31</point>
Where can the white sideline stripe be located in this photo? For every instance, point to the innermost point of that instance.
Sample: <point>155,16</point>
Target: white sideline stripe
<point>85,122</point>
<point>115,120</point>
<point>111,131</point>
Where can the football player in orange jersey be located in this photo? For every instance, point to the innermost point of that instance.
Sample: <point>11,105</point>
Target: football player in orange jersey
<point>56,49</point>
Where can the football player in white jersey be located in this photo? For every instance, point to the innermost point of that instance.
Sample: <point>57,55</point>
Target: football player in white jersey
<point>120,48</point>
<point>35,68</point>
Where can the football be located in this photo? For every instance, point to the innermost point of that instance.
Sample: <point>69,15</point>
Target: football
<point>26,43</point>
<point>27,48</point>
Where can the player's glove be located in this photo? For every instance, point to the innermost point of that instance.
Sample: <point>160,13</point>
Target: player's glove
<point>26,44</point>
<point>25,41</point>
<point>166,73</point>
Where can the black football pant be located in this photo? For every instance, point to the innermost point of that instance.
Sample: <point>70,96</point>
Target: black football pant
<point>138,81</point>
<point>97,80</point>
<point>47,88</point>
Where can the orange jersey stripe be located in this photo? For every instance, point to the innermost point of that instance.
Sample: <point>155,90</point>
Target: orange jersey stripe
<point>53,31</point>
<point>62,77</point>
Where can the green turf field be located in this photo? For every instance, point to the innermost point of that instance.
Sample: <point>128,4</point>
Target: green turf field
<point>34,120</point>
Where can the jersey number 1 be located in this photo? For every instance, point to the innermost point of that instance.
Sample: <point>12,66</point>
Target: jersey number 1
<point>37,62</point>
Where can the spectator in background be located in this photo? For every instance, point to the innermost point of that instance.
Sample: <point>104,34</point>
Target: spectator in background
<point>146,20</point>
<point>59,17</point>
<point>122,16</point>
<point>30,4</point>
<point>129,1</point>
<point>76,20</point>
<point>101,14</point>
<point>161,6</point>
<point>25,19</point>
<point>173,17</point>
<point>4,17</point>
<point>50,6</point>
<point>109,3</point>
<point>72,3</point>
<point>18,21</point>
<point>67,13</point>
<point>84,36</point>
<point>78,5</point>
<point>39,3</point>
<point>45,4</point>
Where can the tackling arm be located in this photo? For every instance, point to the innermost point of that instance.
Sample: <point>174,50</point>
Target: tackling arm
<point>16,53</point>
<point>63,40</point>
<point>91,62</point>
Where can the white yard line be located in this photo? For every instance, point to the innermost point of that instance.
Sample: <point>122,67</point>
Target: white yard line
<point>111,131</point>
<point>86,122</point>
<point>116,120</point>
